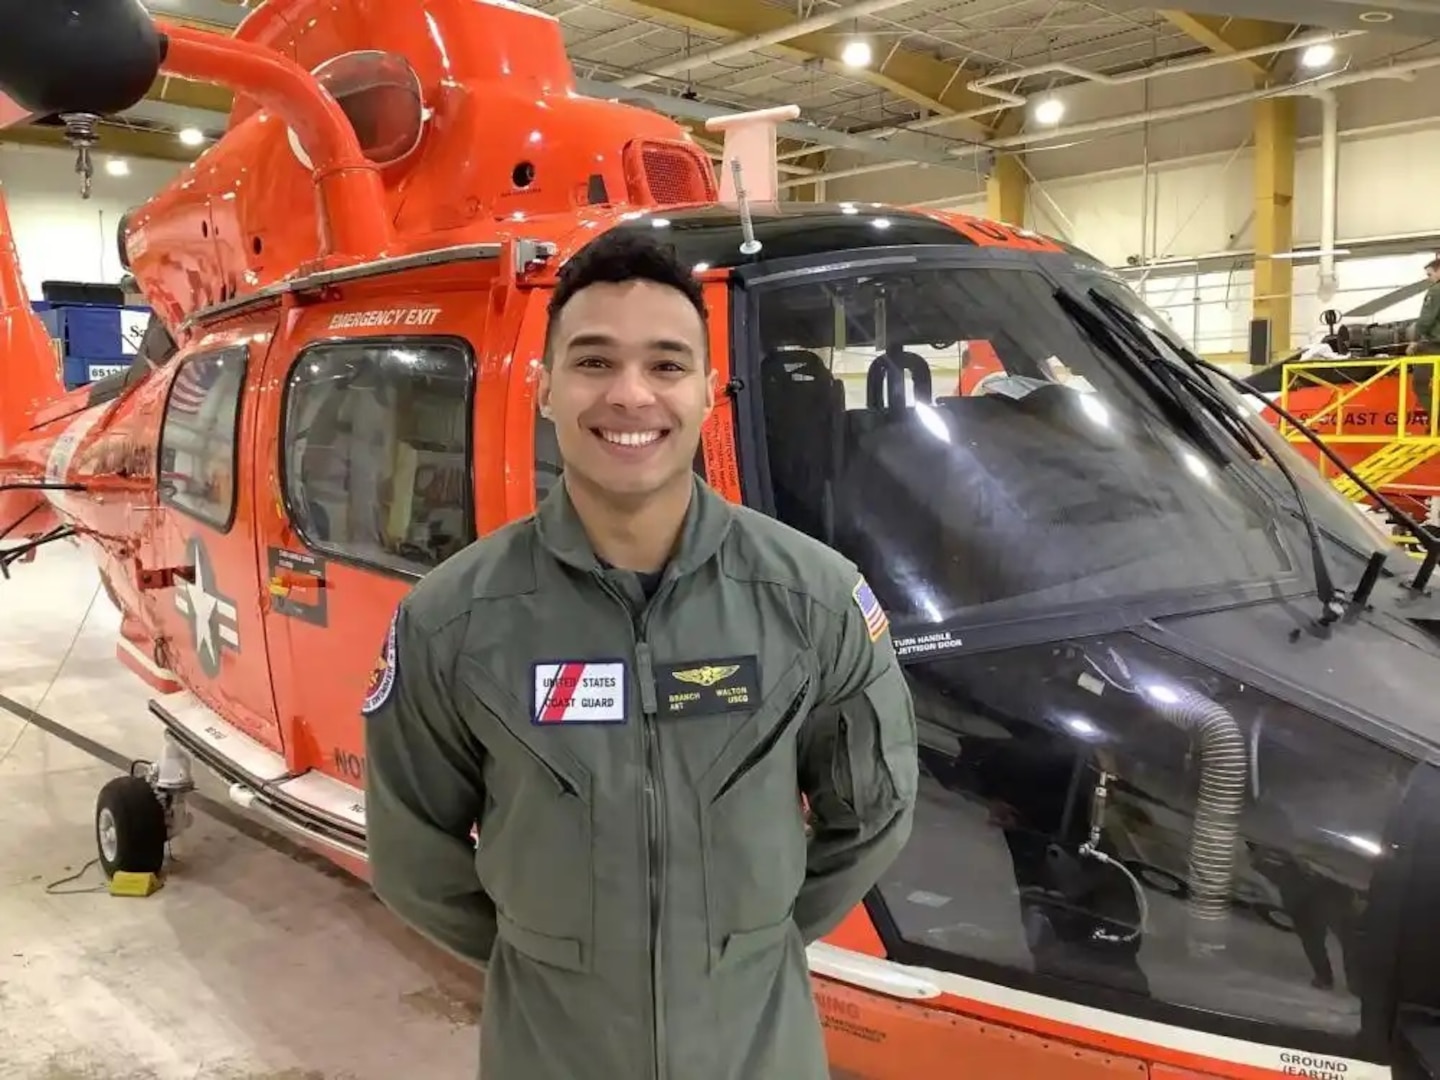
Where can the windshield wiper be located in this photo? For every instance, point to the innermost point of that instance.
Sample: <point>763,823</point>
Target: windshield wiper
<point>1196,365</point>
<point>1128,339</point>
<point>1160,383</point>
<point>1422,536</point>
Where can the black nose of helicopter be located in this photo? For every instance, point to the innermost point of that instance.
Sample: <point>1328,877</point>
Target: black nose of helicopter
<point>77,56</point>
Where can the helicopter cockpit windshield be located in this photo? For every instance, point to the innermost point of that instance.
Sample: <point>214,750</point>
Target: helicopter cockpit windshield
<point>951,426</point>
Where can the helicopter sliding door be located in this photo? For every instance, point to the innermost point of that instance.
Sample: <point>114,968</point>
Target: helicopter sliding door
<point>204,527</point>
<point>368,452</point>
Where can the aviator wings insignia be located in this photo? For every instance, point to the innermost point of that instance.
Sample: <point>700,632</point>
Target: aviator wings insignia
<point>708,675</point>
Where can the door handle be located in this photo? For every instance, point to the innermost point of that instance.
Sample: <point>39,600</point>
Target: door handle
<point>287,584</point>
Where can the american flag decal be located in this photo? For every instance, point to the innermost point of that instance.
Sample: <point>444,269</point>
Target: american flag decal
<point>194,381</point>
<point>876,621</point>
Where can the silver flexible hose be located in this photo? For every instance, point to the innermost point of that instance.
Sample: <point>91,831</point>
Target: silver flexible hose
<point>1223,769</point>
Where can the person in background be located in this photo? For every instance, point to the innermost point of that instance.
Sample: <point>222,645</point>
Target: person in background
<point>628,696</point>
<point>1425,337</point>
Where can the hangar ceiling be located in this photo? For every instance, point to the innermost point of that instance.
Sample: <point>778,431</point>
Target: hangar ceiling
<point>1418,17</point>
<point>945,77</point>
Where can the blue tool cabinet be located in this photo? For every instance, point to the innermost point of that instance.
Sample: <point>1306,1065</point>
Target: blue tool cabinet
<point>94,331</point>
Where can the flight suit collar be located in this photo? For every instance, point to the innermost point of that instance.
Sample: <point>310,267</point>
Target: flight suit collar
<point>707,521</point>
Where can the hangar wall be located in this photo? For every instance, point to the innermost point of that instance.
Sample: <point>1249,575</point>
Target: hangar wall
<point>61,237</point>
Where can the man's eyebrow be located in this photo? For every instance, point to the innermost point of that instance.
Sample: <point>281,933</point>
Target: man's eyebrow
<point>605,341</point>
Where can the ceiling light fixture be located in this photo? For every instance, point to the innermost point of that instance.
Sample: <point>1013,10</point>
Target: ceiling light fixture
<point>856,53</point>
<point>1377,16</point>
<point>117,167</point>
<point>192,136</point>
<point>1049,111</point>
<point>1318,56</point>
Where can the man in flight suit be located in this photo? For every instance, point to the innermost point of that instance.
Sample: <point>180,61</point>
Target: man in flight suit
<point>1425,337</point>
<point>628,693</point>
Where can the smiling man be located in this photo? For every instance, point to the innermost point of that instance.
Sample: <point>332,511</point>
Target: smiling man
<point>629,693</point>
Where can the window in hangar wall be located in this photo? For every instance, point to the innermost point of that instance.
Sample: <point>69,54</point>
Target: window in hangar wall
<point>198,436</point>
<point>377,450</point>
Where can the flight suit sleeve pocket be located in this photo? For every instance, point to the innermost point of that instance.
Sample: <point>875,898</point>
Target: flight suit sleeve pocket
<point>878,766</point>
<point>561,952</point>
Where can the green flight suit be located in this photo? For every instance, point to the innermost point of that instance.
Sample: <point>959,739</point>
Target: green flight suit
<point>643,890</point>
<point>1427,342</point>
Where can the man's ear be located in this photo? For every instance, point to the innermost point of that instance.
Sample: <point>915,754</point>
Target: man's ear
<point>542,391</point>
<point>712,379</point>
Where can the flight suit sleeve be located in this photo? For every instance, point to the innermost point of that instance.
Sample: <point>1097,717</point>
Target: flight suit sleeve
<point>858,765</point>
<point>425,791</point>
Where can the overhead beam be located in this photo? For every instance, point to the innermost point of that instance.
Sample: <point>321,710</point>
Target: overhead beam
<point>938,85</point>
<point>907,147</point>
<point>114,142</point>
<point>1225,36</point>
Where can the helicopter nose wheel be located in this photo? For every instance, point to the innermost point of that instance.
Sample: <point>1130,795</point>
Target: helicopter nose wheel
<point>138,814</point>
<point>130,827</point>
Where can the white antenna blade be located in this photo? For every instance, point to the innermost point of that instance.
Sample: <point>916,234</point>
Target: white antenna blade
<point>750,138</point>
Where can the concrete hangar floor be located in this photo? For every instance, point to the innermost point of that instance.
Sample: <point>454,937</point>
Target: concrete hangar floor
<point>255,961</point>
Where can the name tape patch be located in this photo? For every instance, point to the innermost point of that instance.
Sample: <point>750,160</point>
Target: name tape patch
<point>707,687</point>
<point>579,692</point>
<point>876,621</point>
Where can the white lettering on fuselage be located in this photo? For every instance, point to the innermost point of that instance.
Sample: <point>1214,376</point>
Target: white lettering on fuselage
<point>1319,1068</point>
<point>354,320</point>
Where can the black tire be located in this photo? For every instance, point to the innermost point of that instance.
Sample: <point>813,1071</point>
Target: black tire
<point>129,827</point>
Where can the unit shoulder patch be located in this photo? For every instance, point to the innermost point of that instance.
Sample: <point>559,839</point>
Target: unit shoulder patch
<point>876,621</point>
<point>382,676</point>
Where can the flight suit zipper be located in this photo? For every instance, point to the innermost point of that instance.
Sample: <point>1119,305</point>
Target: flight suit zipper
<point>654,802</point>
<point>653,799</point>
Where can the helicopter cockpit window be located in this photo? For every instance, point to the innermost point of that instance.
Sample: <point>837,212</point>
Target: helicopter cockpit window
<point>381,96</point>
<point>955,432</point>
<point>377,454</point>
<point>196,470</point>
<point>1109,821</point>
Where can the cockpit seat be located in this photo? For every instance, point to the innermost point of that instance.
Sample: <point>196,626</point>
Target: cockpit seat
<point>885,381</point>
<point>804,428</point>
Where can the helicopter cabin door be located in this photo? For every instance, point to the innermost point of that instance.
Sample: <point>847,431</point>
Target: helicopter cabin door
<point>203,530</point>
<point>364,467</point>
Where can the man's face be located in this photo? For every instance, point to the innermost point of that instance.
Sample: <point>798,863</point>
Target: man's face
<point>1433,273</point>
<point>628,388</point>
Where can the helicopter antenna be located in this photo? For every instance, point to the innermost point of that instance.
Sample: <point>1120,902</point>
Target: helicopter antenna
<point>80,133</point>
<point>750,245</point>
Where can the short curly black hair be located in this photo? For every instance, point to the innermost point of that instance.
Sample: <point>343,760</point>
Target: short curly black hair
<point>618,256</point>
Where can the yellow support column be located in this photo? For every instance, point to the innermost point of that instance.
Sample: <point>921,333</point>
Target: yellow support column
<point>1274,217</point>
<point>1006,190</point>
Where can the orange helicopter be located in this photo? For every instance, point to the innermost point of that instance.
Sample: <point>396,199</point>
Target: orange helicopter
<point>1179,814</point>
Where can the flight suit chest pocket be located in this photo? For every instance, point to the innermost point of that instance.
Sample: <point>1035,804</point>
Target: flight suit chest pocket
<point>535,844</point>
<point>752,823</point>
